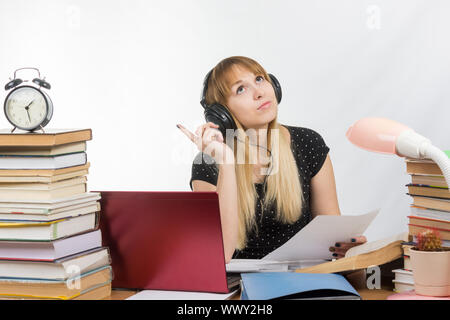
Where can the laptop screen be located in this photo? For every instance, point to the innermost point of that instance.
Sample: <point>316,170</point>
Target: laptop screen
<point>164,240</point>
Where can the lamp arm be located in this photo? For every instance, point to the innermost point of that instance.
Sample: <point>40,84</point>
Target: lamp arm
<point>413,145</point>
<point>441,159</point>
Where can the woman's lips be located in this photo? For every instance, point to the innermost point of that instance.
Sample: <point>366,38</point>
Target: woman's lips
<point>265,105</point>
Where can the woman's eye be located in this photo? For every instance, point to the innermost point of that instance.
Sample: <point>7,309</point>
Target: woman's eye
<point>240,90</point>
<point>259,78</point>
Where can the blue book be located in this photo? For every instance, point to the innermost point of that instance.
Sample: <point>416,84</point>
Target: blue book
<point>292,285</point>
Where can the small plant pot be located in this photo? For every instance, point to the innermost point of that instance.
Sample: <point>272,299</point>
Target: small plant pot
<point>431,272</point>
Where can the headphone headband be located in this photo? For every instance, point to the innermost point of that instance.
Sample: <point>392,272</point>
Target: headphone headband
<point>205,88</point>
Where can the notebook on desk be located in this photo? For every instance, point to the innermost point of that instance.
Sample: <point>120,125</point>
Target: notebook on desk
<point>165,240</point>
<point>296,286</point>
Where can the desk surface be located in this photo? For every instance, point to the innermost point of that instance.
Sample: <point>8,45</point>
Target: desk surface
<point>357,279</point>
<point>366,294</point>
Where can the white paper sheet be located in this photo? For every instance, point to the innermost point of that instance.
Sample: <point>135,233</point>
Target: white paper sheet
<point>314,240</point>
<point>179,295</point>
<point>258,265</point>
<point>255,265</point>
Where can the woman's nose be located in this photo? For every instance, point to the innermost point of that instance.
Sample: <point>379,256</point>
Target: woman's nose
<point>259,93</point>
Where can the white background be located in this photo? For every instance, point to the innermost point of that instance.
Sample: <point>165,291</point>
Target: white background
<point>131,70</point>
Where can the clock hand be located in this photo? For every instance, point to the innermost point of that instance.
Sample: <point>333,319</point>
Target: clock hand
<point>29,104</point>
<point>28,112</point>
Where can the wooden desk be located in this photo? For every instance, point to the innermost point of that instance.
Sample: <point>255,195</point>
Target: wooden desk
<point>366,294</point>
<point>120,294</point>
<point>357,279</point>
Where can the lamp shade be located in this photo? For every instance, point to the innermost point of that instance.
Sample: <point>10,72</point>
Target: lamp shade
<point>376,134</point>
<point>391,137</point>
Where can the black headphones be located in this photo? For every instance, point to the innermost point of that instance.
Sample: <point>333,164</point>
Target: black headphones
<point>218,114</point>
<point>38,81</point>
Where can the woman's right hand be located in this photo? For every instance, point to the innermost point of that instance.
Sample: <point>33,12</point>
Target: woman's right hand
<point>210,141</point>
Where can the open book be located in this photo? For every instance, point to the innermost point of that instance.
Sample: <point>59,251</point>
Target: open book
<point>372,253</point>
<point>360,257</point>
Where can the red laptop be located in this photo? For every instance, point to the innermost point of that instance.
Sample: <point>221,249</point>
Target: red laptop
<point>165,240</point>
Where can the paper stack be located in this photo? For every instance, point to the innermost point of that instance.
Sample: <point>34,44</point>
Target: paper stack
<point>50,244</point>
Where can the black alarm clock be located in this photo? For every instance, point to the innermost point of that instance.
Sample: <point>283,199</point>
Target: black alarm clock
<point>27,106</point>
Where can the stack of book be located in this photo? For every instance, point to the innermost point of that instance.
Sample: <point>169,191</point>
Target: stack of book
<point>403,280</point>
<point>430,208</point>
<point>50,244</point>
<point>431,199</point>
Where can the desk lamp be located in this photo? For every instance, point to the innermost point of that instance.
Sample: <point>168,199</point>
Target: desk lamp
<point>391,137</point>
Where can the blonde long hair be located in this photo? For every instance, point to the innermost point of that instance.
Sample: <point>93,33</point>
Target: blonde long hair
<point>288,204</point>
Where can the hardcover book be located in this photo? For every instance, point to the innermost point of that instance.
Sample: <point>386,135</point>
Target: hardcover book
<point>60,289</point>
<point>51,137</point>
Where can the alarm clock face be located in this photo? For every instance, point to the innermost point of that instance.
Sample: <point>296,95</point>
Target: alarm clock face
<point>28,108</point>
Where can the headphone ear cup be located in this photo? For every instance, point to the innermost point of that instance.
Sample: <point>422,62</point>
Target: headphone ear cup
<point>13,83</point>
<point>41,83</point>
<point>218,114</point>
<point>277,87</point>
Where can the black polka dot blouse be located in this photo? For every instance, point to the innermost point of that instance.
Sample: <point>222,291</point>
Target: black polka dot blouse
<point>310,151</point>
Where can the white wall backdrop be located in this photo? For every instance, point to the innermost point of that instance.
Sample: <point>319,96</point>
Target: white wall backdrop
<point>131,70</point>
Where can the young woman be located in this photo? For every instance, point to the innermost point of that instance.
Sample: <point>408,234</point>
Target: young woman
<point>262,205</point>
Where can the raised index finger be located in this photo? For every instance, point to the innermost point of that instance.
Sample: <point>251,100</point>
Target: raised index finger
<point>189,134</point>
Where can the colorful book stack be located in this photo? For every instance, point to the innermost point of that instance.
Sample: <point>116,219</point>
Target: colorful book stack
<point>430,208</point>
<point>50,244</point>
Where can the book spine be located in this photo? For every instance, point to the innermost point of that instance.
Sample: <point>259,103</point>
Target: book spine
<point>415,229</point>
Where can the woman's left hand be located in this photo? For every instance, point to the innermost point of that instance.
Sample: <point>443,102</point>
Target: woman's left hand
<point>340,248</point>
